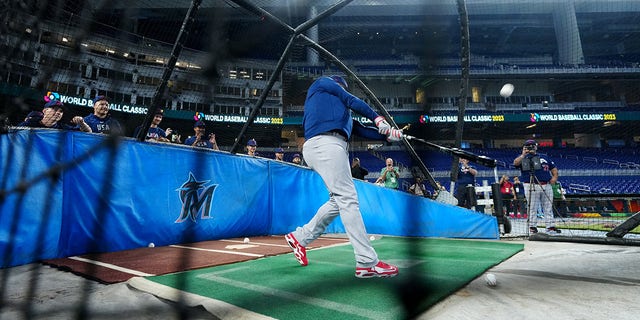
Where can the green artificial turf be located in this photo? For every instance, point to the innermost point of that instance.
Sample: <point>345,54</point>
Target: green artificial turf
<point>430,270</point>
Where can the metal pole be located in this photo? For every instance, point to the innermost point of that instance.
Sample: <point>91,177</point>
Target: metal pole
<point>175,53</point>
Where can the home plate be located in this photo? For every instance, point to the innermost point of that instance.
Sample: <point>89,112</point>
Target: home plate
<point>240,246</point>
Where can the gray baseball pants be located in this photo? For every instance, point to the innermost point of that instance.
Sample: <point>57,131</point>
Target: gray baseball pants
<point>540,196</point>
<point>328,156</point>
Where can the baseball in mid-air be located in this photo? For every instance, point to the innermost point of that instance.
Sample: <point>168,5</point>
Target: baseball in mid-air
<point>372,238</point>
<point>246,240</point>
<point>506,90</point>
<point>491,280</point>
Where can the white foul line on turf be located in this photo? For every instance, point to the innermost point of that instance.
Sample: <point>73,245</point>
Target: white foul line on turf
<point>219,251</point>
<point>260,243</point>
<point>322,303</point>
<point>113,266</point>
<point>287,246</point>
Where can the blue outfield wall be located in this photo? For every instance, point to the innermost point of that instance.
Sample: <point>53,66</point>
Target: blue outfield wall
<point>124,195</point>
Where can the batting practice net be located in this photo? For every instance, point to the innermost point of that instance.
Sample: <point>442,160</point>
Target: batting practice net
<point>478,76</point>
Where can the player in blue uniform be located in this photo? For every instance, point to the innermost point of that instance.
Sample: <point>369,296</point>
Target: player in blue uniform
<point>155,133</point>
<point>327,127</point>
<point>101,121</point>
<point>252,146</point>
<point>50,118</point>
<point>199,140</point>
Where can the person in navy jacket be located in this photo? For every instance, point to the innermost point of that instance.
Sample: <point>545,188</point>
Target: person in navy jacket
<point>100,120</point>
<point>328,125</point>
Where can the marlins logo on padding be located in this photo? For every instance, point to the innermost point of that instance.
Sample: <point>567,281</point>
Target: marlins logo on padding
<point>193,200</point>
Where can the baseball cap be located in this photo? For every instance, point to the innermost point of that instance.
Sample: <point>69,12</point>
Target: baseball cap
<point>159,111</point>
<point>98,98</point>
<point>199,123</point>
<point>252,142</point>
<point>297,155</point>
<point>340,80</point>
<point>35,115</point>
<point>54,104</point>
<point>530,143</point>
<point>279,150</point>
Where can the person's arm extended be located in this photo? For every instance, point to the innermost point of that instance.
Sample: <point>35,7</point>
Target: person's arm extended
<point>366,132</point>
<point>79,122</point>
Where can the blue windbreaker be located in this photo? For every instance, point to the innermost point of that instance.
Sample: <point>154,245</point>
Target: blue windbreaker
<point>328,107</point>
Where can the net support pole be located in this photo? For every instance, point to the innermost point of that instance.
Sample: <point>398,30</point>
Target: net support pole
<point>263,96</point>
<point>274,75</point>
<point>178,45</point>
<point>625,227</point>
<point>464,82</point>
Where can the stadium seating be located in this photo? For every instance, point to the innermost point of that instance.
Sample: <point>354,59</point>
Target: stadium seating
<point>582,170</point>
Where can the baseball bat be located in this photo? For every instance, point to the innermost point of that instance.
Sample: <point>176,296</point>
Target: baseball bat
<point>481,160</point>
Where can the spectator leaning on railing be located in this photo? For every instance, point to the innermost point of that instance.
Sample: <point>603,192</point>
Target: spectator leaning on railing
<point>50,118</point>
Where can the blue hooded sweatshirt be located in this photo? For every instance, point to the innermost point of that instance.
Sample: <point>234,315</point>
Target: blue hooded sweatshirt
<point>328,108</point>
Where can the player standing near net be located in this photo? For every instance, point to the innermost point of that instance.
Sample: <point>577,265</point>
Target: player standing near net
<point>327,128</point>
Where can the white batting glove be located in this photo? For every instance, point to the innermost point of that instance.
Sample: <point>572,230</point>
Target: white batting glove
<point>394,135</point>
<point>383,125</point>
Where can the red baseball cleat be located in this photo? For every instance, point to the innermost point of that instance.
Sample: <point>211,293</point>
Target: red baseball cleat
<point>299,251</point>
<point>379,270</point>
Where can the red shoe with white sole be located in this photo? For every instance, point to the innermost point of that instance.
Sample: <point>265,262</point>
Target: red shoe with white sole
<point>299,251</point>
<point>379,270</point>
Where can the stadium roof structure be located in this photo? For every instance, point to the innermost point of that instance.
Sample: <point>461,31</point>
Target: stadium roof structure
<point>505,32</point>
<point>608,30</point>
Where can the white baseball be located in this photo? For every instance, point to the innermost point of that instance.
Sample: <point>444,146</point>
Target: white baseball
<point>246,240</point>
<point>507,90</point>
<point>151,244</point>
<point>372,238</point>
<point>491,280</point>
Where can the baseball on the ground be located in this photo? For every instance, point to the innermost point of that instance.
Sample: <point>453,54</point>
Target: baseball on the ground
<point>491,280</point>
<point>151,245</point>
<point>507,90</point>
<point>372,238</point>
<point>246,240</point>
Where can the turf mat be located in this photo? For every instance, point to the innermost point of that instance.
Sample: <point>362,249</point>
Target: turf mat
<point>430,270</point>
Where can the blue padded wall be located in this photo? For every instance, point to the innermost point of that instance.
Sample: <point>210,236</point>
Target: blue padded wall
<point>120,196</point>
